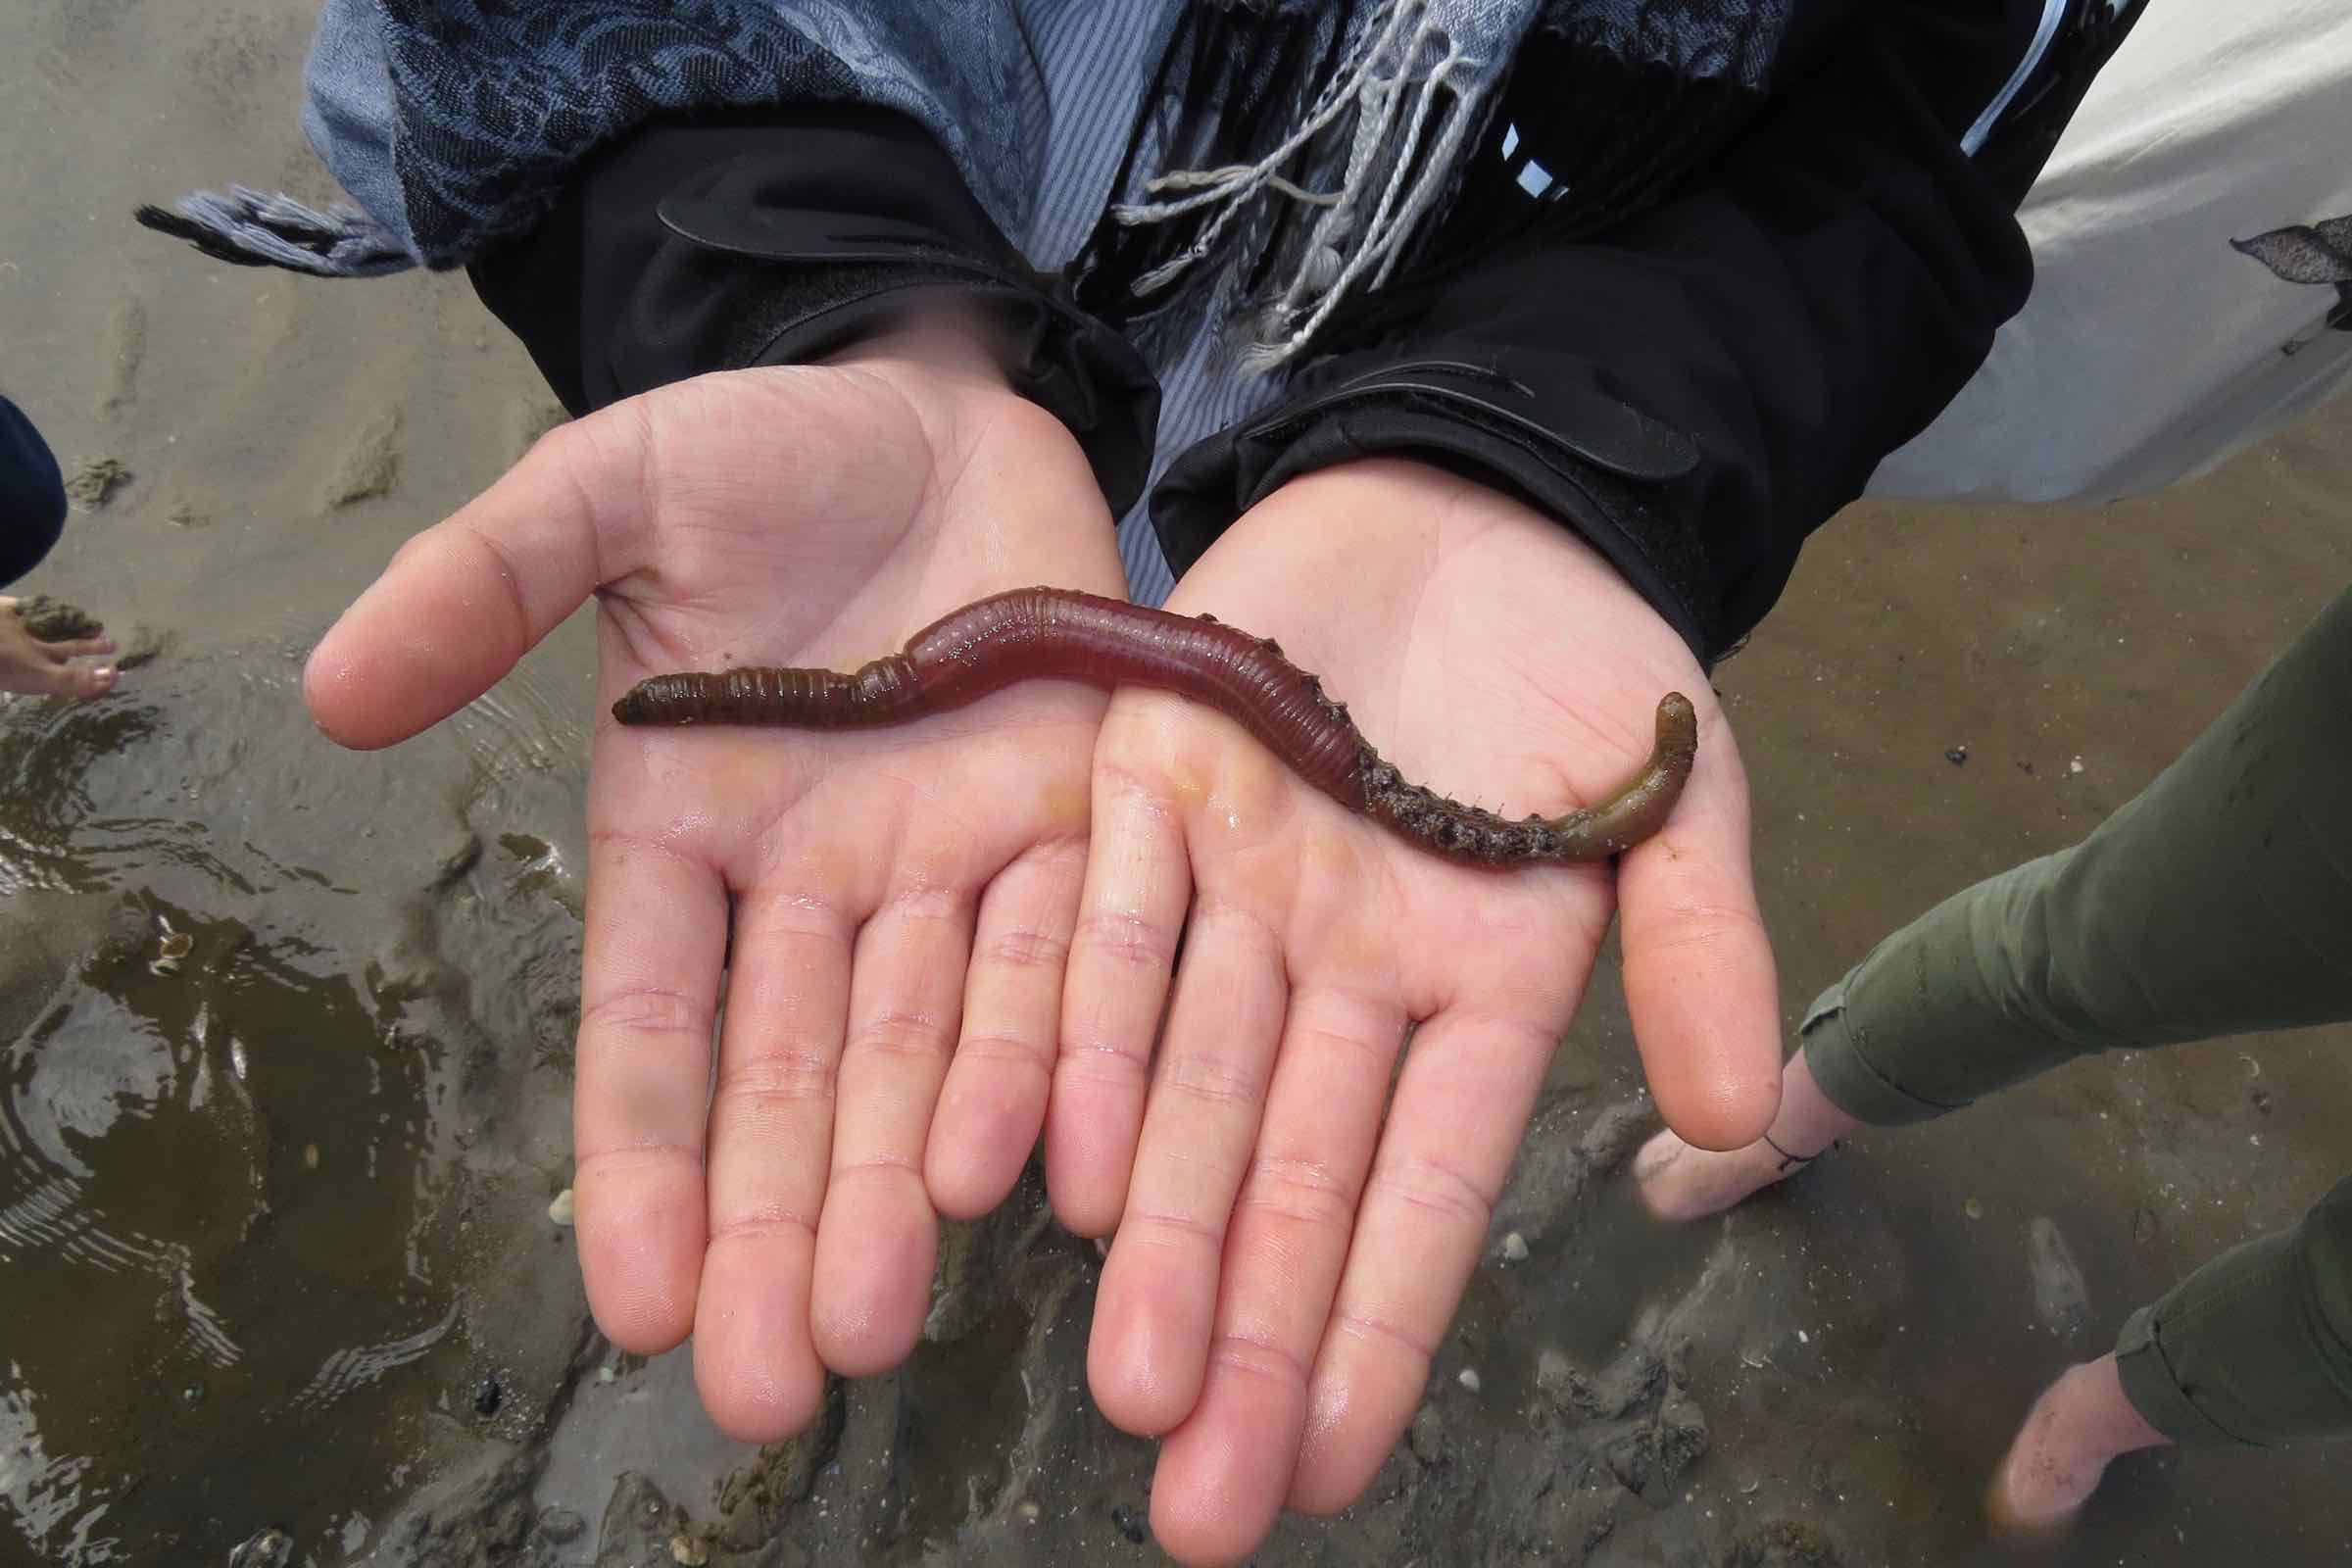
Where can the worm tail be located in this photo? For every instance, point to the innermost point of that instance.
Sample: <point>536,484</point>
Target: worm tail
<point>1638,809</point>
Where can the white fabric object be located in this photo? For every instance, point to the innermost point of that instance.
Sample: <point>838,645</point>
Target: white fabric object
<point>2150,350</point>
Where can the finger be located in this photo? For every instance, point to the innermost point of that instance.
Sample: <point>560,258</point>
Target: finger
<point>1468,1087</point>
<point>657,930</point>
<point>994,1101</point>
<point>463,601</point>
<point>1700,979</point>
<point>76,647</point>
<point>771,1137</point>
<point>1223,1474</point>
<point>1130,914</point>
<point>1156,1302</point>
<point>878,1239</point>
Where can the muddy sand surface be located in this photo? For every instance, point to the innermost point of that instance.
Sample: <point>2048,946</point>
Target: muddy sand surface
<point>285,1032</point>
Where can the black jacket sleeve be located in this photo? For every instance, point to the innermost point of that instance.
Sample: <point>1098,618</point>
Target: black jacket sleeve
<point>1698,388</point>
<point>32,495</point>
<point>784,238</point>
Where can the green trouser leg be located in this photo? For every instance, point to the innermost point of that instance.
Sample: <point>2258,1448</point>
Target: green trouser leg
<point>2256,1346</point>
<point>2218,901</point>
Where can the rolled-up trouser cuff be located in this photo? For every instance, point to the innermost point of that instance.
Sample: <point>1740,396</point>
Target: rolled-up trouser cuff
<point>2217,901</point>
<point>2255,1348</point>
<point>2156,1393</point>
<point>1835,1043</point>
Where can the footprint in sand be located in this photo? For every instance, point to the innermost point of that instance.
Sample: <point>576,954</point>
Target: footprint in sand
<point>2060,1299</point>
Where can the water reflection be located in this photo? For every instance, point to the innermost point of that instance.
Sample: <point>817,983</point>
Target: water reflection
<point>211,1182</point>
<point>225,1243</point>
<point>47,751</point>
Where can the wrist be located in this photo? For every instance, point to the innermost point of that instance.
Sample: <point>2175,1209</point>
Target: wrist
<point>1417,519</point>
<point>806,237</point>
<point>1550,433</point>
<point>1420,543</point>
<point>942,339</point>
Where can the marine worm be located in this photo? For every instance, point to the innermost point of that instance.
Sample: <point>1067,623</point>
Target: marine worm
<point>1058,634</point>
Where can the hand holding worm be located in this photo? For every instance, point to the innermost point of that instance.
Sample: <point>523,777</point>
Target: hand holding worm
<point>1294,1215</point>
<point>886,907</point>
<point>1155,1361</point>
<point>902,965</point>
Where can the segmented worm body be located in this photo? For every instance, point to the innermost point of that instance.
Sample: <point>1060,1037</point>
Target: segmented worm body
<point>1055,633</point>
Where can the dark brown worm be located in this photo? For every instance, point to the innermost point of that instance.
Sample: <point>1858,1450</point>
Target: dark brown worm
<point>1055,633</point>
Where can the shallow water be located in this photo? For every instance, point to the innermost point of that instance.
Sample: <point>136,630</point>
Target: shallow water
<point>227,1110</point>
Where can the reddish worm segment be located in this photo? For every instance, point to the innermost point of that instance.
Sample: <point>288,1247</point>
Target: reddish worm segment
<point>1057,634</point>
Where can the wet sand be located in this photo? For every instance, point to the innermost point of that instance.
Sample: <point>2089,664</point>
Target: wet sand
<point>275,1243</point>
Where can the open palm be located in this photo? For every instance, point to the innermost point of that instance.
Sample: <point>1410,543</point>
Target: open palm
<point>1295,1218</point>
<point>880,905</point>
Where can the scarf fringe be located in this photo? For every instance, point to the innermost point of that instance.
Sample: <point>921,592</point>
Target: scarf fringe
<point>1416,96</point>
<point>255,228</point>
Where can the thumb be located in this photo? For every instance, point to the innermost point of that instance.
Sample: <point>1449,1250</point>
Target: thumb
<point>464,600</point>
<point>1700,979</point>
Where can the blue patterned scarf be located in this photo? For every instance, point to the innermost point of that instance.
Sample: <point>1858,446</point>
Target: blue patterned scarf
<point>482,109</point>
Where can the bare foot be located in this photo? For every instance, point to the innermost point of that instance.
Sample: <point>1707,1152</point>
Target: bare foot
<point>39,668</point>
<point>1679,1182</point>
<point>2080,1422</point>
